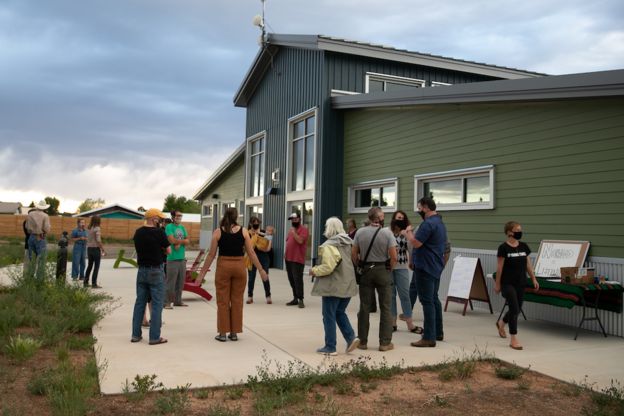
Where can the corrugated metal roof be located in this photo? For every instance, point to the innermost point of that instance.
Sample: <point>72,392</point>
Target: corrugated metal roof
<point>327,43</point>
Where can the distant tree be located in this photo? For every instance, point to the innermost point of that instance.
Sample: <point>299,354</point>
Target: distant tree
<point>90,204</point>
<point>141,209</point>
<point>32,204</point>
<point>173,202</point>
<point>54,204</point>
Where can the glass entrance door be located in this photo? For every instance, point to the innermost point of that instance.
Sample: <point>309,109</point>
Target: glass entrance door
<point>306,208</point>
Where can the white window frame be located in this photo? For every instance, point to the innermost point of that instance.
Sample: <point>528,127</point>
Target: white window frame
<point>209,207</point>
<point>307,194</point>
<point>419,181</point>
<point>439,84</point>
<point>391,78</point>
<point>254,200</point>
<point>373,184</point>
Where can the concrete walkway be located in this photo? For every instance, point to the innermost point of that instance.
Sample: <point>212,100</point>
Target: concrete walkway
<point>285,334</point>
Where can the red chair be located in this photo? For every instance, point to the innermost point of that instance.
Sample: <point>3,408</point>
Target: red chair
<point>190,285</point>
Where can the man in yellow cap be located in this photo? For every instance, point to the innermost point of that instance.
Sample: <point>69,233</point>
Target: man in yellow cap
<point>150,242</point>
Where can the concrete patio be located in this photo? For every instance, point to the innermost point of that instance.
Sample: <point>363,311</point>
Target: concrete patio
<point>285,334</point>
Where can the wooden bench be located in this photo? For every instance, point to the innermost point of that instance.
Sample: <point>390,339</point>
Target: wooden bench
<point>120,258</point>
<point>190,285</point>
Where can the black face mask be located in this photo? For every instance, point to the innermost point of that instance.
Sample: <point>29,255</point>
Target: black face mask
<point>517,235</point>
<point>255,226</point>
<point>400,224</point>
<point>422,214</point>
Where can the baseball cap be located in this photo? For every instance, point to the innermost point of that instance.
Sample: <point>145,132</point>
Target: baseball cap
<point>154,212</point>
<point>294,215</point>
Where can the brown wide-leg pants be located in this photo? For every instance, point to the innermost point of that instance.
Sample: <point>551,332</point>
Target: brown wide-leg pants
<point>230,282</point>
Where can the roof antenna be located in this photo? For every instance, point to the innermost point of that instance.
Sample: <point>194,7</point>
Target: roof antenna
<point>259,21</point>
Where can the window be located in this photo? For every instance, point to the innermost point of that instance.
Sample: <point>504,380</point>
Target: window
<point>461,189</point>
<point>373,194</point>
<point>381,82</point>
<point>303,137</point>
<point>255,170</point>
<point>206,210</point>
<point>254,211</point>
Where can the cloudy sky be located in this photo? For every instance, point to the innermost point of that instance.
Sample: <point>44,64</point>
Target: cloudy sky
<point>130,100</point>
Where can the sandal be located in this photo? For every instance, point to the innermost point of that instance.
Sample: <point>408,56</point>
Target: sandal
<point>161,340</point>
<point>136,339</point>
<point>221,338</point>
<point>501,330</point>
<point>249,301</point>
<point>233,337</point>
<point>516,347</point>
<point>417,330</point>
<point>269,301</point>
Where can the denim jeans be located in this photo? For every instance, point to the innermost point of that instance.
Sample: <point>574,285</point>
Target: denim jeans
<point>94,255</point>
<point>37,254</point>
<point>79,255</point>
<point>413,289</point>
<point>334,313</point>
<point>401,280</point>
<point>428,286</point>
<point>251,275</point>
<point>150,283</point>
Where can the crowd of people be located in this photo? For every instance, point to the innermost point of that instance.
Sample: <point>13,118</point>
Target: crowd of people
<point>378,263</point>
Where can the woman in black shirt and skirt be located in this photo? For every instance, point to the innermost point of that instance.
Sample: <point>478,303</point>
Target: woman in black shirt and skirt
<point>511,279</point>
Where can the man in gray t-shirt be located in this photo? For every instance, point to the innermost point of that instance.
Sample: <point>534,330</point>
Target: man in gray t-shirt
<point>377,277</point>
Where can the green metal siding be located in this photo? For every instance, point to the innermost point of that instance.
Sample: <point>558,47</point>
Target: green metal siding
<point>559,166</point>
<point>230,188</point>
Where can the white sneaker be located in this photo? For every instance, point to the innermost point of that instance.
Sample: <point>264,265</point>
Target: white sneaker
<point>354,344</point>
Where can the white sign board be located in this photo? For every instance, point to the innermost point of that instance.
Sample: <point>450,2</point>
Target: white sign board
<point>555,254</point>
<point>461,277</point>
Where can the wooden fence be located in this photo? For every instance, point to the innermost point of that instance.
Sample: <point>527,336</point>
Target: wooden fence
<point>121,229</point>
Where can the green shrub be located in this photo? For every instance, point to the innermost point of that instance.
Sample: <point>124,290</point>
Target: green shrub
<point>21,348</point>
<point>77,342</point>
<point>220,410</point>
<point>138,389</point>
<point>511,372</point>
<point>174,402</point>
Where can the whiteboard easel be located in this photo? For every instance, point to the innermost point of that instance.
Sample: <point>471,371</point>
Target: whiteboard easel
<point>467,283</point>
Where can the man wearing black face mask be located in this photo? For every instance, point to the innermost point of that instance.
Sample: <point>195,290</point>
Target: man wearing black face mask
<point>428,261</point>
<point>296,245</point>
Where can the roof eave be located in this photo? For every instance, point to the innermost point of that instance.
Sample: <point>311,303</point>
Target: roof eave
<point>588,85</point>
<point>220,170</point>
<point>414,58</point>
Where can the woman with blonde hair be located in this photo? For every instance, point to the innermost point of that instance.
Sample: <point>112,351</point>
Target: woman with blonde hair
<point>232,240</point>
<point>334,280</point>
<point>95,251</point>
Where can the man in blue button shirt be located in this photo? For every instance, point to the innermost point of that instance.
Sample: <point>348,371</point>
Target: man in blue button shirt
<point>429,243</point>
<point>79,252</point>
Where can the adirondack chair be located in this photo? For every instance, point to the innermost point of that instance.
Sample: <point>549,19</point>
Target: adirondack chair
<point>120,258</point>
<point>189,279</point>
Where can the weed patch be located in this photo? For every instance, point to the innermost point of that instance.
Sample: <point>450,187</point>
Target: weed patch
<point>140,386</point>
<point>21,348</point>
<point>509,372</point>
<point>173,402</point>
